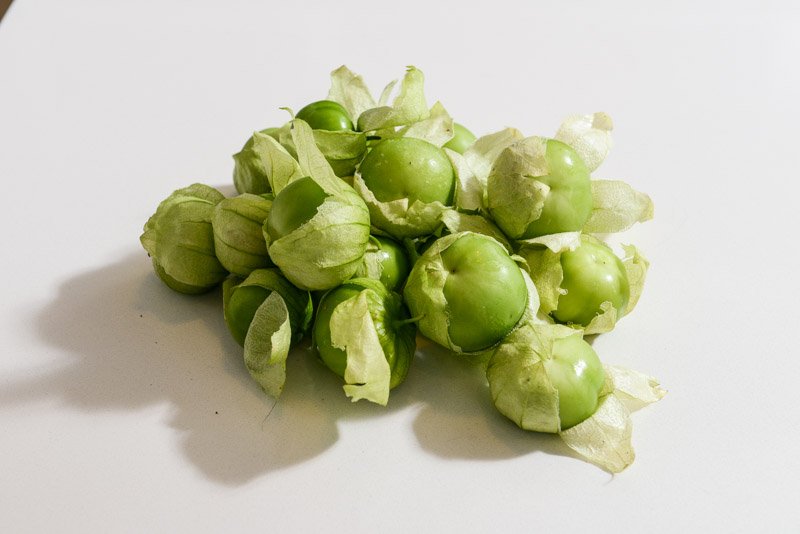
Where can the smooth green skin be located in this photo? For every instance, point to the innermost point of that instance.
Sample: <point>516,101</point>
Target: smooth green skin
<point>394,263</point>
<point>593,274</point>
<point>336,359</point>
<point>241,308</point>
<point>462,139</point>
<point>293,206</point>
<point>406,167</point>
<point>333,357</point>
<point>485,292</point>
<point>577,373</point>
<point>326,115</point>
<point>569,203</point>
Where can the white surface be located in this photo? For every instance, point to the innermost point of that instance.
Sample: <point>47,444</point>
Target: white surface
<point>125,408</point>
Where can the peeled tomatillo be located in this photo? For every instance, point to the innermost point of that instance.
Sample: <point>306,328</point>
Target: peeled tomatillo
<point>577,373</point>
<point>406,167</point>
<point>593,274</point>
<point>326,115</point>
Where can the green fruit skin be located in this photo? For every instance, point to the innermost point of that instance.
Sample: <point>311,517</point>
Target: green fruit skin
<point>569,203</point>
<point>293,206</point>
<point>577,373</point>
<point>394,263</point>
<point>593,274</point>
<point>462,139</point>
<point>485,292</point>
<point>326,115</point>
<point>383,311</point>
<point>241,308</point>
<point>406,167</point>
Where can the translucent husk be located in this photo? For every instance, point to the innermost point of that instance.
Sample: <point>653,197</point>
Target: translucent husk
<point>589,135</point>
<point>372,266</point>
<point>328,248</point>
<point>342,149</point>
<point>238,240</point>
<point>436,129</point>
<point>267,344</point>
<point>408,107</point>
<point>349,90</point>
<point>400,218</point>
<point>298,302</point>
<point>616,207</point>
<point>515,198</point>
<point>484,151</point>
<point>280,167</point>
<point>456,221</point>
<point>604,439</point>
<point>180,240</point>
<point>370,370</point>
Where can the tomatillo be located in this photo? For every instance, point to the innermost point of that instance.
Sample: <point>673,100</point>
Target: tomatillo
<point>462,139</point>
<point>467,291</point>
<point>242,299</point>
<point>180,240</point>
<point>545,377</point>
<point>385,260</point>
<point>317,238</point>
<point>538,187</point>
<point>406,167</point>
<point>326,115</point>
<point>395,333</point>
<point>593,274</point>
<point>295,205</point>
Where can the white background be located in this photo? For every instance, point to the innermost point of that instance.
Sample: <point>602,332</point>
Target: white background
<point>125,407</point>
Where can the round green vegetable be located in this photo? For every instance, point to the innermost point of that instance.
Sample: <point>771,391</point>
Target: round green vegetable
<point>386,260</point>
<point>389,316</point>
<point>180,240</point>
<point>539,187</point>
<point>462,139</point>
<point>593,274</point>
<point>545,377</point>
<point>318,240</point>
<point>243,298</point>
<point>326,115</point>
<point>468,292</point>
<point>406,167</point>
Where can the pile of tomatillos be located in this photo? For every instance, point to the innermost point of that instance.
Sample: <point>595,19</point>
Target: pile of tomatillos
<point>365,224</point>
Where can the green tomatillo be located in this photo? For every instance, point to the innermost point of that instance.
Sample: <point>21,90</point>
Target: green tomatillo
<point>462,139</point>
<point>537,187</point>
<point>593,275</point>
<point>385,260</point>
<point>242,298</point>
<point>363,333</point>
<point>406,183</point>
<point>180,240</point>
<point>326,115</point>
<point>545,377</point>
<point>318,227</point>
<point>467,292</point>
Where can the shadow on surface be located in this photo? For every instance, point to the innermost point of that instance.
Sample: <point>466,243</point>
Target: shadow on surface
<point>135,344</point>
